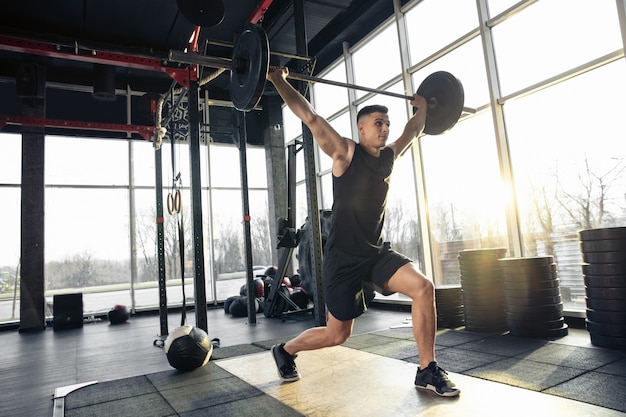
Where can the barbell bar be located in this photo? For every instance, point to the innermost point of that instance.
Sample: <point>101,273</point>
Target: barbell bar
<point>249,67</point>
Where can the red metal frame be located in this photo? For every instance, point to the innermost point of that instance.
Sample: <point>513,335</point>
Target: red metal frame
<point>260,10</point>
<point>82,54</point>
<point>183,76</point>
<point>145,132</point>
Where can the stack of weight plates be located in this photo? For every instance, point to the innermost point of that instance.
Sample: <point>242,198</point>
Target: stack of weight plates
<point>481,281</point>
<point>449,301</point>
<point>533,298</point>
<point>604,270</point>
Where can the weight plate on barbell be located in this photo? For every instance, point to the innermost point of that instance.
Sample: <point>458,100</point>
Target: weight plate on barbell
<point>205,13</point>
<point>250,67</point>
<point>445,97</point>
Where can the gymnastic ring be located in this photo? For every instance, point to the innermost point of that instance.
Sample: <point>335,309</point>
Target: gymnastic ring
<point>178,201</point>
<point>170,203</point>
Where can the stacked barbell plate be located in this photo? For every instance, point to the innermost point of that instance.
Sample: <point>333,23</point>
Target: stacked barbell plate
<point>533,299</point>
<point>481,281</point>
<point>449,301</point>
<point>604,272</point>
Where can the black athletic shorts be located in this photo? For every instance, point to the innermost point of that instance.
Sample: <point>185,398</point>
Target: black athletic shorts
<point>344,275</point>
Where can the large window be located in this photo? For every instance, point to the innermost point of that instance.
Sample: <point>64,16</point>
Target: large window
<point>539,145</point>
<point>570,167</point>
<point>95,187</point>
<point>538,155</point>
<point>550,37</point>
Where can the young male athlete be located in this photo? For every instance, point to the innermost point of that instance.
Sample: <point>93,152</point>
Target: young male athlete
<point>354,251</point>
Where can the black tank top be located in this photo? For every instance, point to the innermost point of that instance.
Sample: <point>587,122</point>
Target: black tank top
<point>359,200</point>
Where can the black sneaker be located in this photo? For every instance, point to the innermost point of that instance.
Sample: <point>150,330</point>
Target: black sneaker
<point>435,379</point>
<point>287,370</point>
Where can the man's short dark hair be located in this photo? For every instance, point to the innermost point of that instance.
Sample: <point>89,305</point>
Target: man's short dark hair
<point>375,108</point>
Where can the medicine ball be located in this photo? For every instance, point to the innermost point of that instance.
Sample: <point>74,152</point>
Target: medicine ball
<point>300,298</point>
<point>118,314</point>
<point>259,288</point>
<point>228,303</point>
<point>296,280</point>
<point>188,348</point>
<point>239,307</point>
<point>270,271</point>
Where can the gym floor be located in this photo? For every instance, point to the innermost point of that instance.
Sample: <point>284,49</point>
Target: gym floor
<point>498,374</point>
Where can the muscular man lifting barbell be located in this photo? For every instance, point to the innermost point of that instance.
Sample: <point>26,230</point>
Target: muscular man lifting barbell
<point>355,254</point>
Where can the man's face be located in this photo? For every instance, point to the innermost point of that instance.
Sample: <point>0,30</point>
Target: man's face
<point>374,129</point>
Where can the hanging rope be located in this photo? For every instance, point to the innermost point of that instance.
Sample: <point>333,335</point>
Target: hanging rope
<point>160,130</point>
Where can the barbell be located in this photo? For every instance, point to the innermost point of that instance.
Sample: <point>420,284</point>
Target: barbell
<point>249,67</point>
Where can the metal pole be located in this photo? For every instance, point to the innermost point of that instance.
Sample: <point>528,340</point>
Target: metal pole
<point>186,58</point>
<point>196,207</point>
<point>319,304</point>
<point>160,238</point>
<point>304,77</point>
<point>245,206</point>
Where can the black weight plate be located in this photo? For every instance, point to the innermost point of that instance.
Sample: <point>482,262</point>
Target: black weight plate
<point>605,245</point>
<point>449,305</point>
<point>487,275</point>
<point>604,281</point>
<point>478,284</point>
<point>483,297</point>
<point>485,322</point>
<point>546,292</point>
<point>604,233</point>
<point>473,268</point>
<point>469,274</point>
<point>604,257</point>
<point>526,261</point>
<point>250,67</point>
<point>485,319</point>
<point>445,97</point>
<point>483,305</point>
<point>529,269</point>
<point>471,300</point>
<point>536,324</point>
<point>609,317</point>
<point>539,309</point>
<point>450,325</point>
<point>545,276</point>
<point>449,311</point>
<point>483,315</point>
<point>608,342</point>
<point>443,303</point>
<point>604,269</point>
<point>604,329</point>
<point>448,288</point>
<point>538,316</point>
<point>527,301</point>
<point>608,292</point>
<point>451,317</point>
<point>205,13</point>
<point>451,301</point>
<point>530,285</point>
<point>449,292</point>
<point>605,304</point>
<point>541,334</point>
<point>449,297</point>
